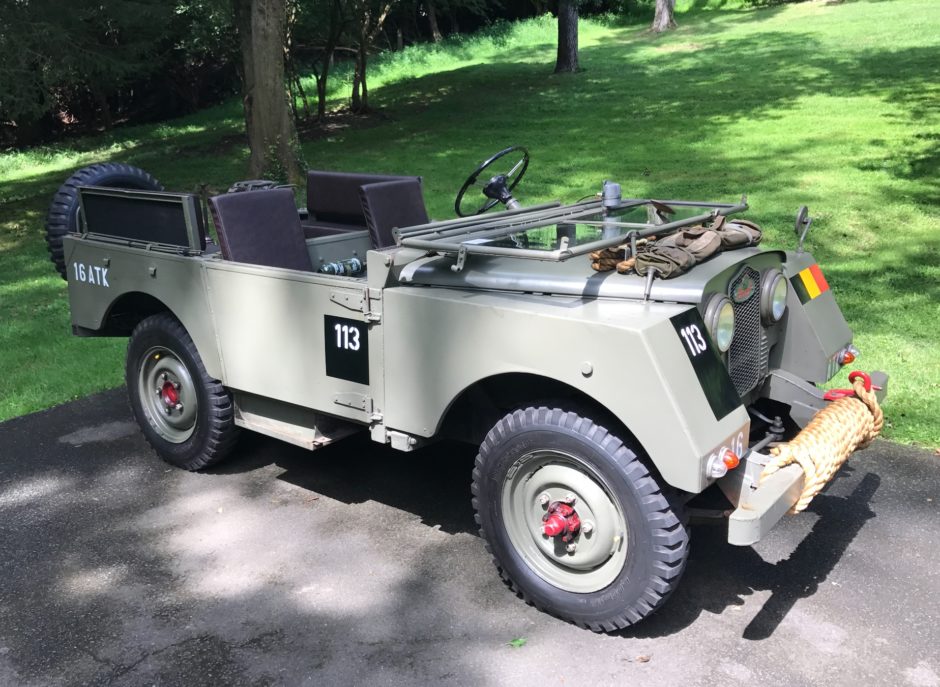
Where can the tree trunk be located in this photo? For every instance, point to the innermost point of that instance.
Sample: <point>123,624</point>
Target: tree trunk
<point>104,107</point>
<point>241,10</point>
<point>454,26</point>
<point>664,21</point>
<point>432,19</point>
<point>367,35</point>
<point>272,136</point>
<point>360,92</point>
<point>567,60</point>
<point>321,92</point>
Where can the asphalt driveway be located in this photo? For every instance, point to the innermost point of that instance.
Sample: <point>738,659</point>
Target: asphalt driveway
<point>358,565</point>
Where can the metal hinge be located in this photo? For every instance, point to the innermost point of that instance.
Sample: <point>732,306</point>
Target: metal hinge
<point>358,301</point>
<point>368,308</point>
<point>352,301</point>
<point>351,399</point>
<point>461,259</point>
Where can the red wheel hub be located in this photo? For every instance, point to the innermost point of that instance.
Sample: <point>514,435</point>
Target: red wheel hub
<point>169,394</point>
<point>561,518</point>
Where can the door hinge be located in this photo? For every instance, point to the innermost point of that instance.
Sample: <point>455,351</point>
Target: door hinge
<point>359,301</point>
<point>350,399</point>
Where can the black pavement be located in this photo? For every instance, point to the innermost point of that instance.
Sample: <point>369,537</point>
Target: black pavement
<point>359,565</point>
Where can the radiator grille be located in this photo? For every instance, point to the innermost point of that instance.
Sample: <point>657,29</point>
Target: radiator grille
<point>748,355</point>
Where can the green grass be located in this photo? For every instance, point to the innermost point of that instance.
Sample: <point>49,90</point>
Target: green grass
<point>832,105</point>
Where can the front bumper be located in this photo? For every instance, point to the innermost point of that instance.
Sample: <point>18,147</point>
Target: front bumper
<point>760,506</point>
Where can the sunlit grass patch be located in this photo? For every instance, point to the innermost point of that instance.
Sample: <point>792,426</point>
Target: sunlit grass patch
<point>833,105</point>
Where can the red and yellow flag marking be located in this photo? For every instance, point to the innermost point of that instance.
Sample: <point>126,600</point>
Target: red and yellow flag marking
<point>809,283</point>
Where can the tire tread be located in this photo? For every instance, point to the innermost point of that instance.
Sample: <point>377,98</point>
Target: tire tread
<point>222,431</point>
<point>663,511</point>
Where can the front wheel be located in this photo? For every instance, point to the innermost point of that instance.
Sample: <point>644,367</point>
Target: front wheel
<point>575,522</point>
<point>185,415</point>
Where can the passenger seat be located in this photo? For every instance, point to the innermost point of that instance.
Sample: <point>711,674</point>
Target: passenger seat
<point>261,228</point>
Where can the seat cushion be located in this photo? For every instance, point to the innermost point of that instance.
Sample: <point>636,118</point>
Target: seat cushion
<point>334,196</point>
<point>261,228</point>
<point>391,204</point>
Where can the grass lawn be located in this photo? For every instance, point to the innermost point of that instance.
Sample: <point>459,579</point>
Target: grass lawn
<point>832,105</point>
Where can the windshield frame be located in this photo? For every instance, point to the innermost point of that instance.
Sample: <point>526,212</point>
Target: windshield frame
<point>465,237</point>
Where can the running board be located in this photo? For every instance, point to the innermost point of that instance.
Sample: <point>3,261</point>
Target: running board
<point>293,424</point>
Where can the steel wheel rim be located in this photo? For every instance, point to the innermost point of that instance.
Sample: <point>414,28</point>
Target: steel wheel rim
<point>600,554</point>
<point>167,395</point>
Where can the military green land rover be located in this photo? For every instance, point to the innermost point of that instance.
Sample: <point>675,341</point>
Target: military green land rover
<point>601,401</point>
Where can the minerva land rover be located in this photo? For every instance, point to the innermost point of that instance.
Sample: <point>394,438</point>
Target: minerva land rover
<point>601,402</point>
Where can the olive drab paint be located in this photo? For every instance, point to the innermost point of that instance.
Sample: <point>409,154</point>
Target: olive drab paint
<point>311,357</point>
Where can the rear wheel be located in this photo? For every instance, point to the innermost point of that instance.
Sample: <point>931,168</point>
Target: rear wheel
<point>62,217</point>
<point>185,415</point>
<point>575,522</point>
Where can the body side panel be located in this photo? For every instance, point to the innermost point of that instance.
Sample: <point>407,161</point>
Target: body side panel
<point>275,327</point>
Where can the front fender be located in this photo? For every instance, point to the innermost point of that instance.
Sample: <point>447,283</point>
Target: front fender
<point>626,355</point>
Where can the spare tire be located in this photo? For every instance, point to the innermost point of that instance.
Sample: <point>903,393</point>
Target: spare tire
<point>63,212</point>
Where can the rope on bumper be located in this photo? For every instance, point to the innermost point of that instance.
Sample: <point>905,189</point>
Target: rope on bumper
<point>849,423</point>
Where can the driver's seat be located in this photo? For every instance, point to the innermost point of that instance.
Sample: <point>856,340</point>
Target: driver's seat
<point>390,204</point>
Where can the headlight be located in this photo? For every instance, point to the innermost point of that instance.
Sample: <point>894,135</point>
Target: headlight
<point>719,319</point>
<point>773,301</point>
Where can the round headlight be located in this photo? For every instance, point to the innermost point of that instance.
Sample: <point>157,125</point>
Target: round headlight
<point>773,296</point>
<point>719,319</point>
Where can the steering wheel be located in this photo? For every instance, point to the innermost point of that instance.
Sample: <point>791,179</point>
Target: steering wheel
<point>499,187</point>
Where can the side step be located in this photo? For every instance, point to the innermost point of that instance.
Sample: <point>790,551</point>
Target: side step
<point>294,424</point>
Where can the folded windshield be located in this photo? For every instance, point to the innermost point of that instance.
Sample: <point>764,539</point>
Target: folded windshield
<point>555,232</point>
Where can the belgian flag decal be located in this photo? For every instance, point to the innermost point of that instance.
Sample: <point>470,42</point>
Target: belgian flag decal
<point>809,283</point>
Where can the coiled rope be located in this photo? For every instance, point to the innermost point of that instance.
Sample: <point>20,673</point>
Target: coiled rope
<point>850,422</point>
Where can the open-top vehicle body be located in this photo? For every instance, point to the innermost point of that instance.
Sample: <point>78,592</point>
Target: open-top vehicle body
<point>601,402</point>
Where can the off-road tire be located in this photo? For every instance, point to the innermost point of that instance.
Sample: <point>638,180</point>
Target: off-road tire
<point>214,431</point>
<point>657,538</point>
<point>62,217</point>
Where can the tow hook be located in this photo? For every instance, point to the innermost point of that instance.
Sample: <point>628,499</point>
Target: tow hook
<point>561,518</point>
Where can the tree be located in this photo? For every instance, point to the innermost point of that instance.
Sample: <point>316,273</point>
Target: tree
<point>73,58</point>
<point>567,59</point>
<point>317,31</point>
<point>432,20</point>
<point>272,135</point>
<point>664,19</point>
<point>370,17</point>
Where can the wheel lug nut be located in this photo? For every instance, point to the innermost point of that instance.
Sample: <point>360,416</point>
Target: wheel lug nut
<point>544,498</point>
<point>179,407</point>
<point>168,410</point>
<point>569,498</point>
<point>158,391</point>
<point>571,548</point>
<point>176,386</point>
<point>587,527</point>
<point>163,376</point>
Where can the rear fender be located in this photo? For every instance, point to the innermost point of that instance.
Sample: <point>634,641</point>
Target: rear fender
<point>102,276</point>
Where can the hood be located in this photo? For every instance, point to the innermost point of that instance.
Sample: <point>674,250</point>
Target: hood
<point>573,277</point>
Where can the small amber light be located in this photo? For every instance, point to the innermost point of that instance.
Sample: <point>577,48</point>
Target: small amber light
<point>848,358</point>
<point>730,460</point>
